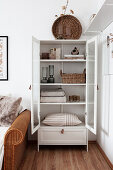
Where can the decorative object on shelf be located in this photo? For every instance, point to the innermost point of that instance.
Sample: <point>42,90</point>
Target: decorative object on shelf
<point>58,53</point>
<point>75,57</point>
<point>3,58</point>
<point>52,54</point>
<point>55,53</point>
<point>67,26</point>
<point>73,77</point>
<point>51,74</point>
<point>44,74</point>
<point>45,55</point>
<point>74,98</point>
<point>75,51</point>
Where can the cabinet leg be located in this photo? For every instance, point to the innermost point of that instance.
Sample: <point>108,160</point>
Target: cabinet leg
<point>87,140</point>
<point>38,141</point>
<point>87,148</point>
<point>38,148</point>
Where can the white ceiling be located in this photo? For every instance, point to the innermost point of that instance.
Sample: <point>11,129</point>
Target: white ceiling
<point>44,13</point>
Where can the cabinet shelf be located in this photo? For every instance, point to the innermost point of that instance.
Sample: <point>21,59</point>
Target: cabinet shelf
<point>67,103</point>
<point>63,60</point>
<point>61,84</point>
<point>82,125</point>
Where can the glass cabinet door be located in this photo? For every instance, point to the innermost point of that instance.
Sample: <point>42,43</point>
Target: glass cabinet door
<point>35,88</point>
<point>91,85</point>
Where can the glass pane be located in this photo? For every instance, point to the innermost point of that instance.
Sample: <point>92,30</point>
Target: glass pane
<point>91,63</point>
<point>90,116</point>
<point>35,72</point>
<point>35,84</point>
<point>35,115</point>
<point>90,105</point>
<point>35,94</point>
<point>91,84</point>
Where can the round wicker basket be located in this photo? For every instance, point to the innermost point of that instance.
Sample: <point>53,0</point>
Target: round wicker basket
<point>67,27</point>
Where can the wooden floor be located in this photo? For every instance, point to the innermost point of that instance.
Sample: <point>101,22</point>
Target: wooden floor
<point>63,158</point>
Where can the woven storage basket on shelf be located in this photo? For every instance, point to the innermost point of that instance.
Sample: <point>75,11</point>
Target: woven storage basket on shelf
<point>73,77</point>
<point>67,27</point>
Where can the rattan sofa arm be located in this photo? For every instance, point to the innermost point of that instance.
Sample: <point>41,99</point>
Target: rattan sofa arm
<point>13,137</point>
<point>16,133</point>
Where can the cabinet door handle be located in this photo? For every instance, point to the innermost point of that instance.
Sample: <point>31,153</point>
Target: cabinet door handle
<point>30,87</point>
<point>62,131</point>
<point>97,87</point>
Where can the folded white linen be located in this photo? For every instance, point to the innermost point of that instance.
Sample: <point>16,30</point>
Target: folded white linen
<point>53,99</point>
<point>55,93</point>
<point>3,131</point>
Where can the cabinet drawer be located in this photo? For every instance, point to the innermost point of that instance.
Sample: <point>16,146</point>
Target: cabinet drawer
<point>62,136</point>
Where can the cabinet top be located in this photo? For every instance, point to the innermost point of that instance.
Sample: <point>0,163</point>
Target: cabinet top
<point>62,42</point>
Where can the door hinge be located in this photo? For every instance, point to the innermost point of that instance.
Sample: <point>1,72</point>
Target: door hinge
<point>109,39</point>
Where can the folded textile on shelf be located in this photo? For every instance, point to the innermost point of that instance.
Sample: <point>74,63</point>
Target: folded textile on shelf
<point>53,99</point>
<point>53,93</point>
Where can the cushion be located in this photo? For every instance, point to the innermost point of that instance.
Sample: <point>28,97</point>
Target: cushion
<point>21,109</point>
<point>61,119</point>
<point>9,108</point>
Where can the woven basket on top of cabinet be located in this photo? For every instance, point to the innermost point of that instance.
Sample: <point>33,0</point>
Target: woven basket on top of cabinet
<point>73,77</point>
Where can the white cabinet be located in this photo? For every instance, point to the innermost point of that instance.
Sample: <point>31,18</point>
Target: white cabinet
<point>85,108</point>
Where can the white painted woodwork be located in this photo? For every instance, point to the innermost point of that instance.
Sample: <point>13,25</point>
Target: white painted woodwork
<point>62,42</point>
<point>102,20</point>
<point>71,136</point>
<point>67,103</point>
<point>109,2</point>
<point>63,60</point>
<point>105,95</point>
<point>61,84</point>
<point>74,135</point>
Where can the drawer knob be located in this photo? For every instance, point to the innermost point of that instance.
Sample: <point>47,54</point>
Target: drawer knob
<point>62,131</point>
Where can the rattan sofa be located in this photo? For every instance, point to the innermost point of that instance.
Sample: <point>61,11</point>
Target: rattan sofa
<point>15,141</point>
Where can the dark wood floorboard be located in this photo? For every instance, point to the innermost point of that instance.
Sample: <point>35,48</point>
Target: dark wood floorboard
<point>63,158</point>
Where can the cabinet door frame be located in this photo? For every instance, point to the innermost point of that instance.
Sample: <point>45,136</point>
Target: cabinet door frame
<point>34,129</point>
<point>89,127</point>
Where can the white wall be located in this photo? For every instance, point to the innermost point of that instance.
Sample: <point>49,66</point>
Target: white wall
<point>20,19</point>
<point>105,98</point>
<point>15,17</point>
